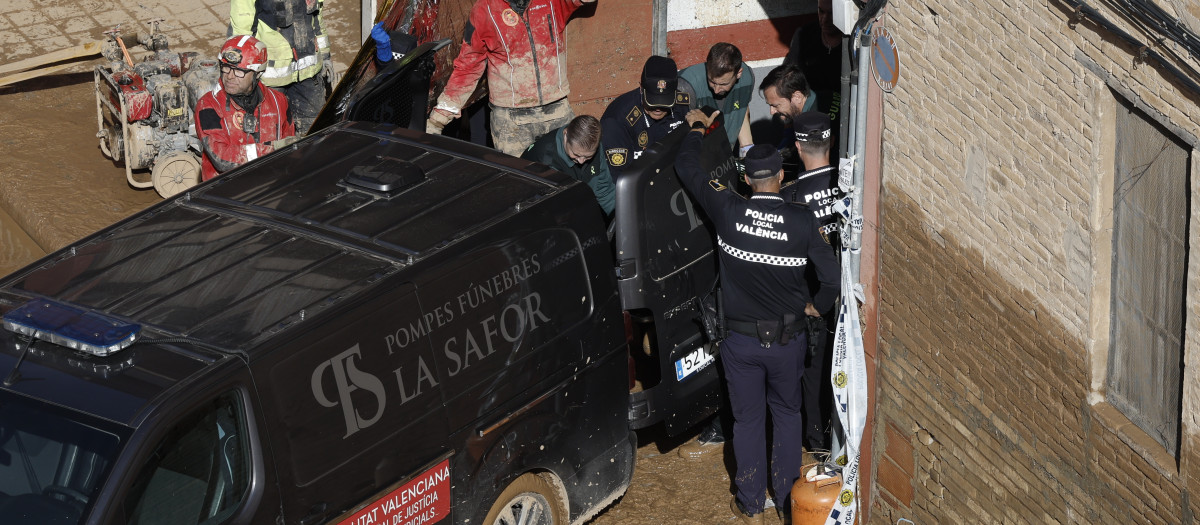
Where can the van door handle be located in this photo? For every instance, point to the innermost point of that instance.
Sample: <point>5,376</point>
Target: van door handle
<point>314,514</point>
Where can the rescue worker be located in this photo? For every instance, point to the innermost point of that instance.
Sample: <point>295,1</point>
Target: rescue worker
<point>729,85</point>
<point>817,188</point>
<point>297,50</point>
<point>572,149</point>
<point>241,119</point>
<point>522,45</point>
<point>764,246</point>
<point>645,115</point>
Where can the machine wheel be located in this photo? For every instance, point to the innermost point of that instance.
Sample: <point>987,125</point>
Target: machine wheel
<point>175,173</point>
<point>530,500</point>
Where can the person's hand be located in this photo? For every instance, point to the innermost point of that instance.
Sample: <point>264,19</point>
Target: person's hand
<point>811,310</point>
<point>697,115</point>
<point>383,42</point>
<point>438,119</point>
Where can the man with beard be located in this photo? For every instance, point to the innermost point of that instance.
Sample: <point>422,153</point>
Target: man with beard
<point>730,85</point>
<point>241,119</point>
<point>788,93</point>
<point>522,45</point>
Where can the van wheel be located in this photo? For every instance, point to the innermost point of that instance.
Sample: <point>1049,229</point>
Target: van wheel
<point>530,500</point>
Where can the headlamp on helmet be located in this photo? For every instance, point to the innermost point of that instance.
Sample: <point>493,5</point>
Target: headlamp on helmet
<point>244,52</point>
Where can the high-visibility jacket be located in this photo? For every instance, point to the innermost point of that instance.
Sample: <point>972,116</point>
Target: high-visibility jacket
<point>220,127</point>
<point>525,55</point>
<point>292,31</point>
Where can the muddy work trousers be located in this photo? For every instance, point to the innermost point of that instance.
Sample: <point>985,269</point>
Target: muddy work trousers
<point>760,378</point>
<point>514,129</point>
<point>305,100</point>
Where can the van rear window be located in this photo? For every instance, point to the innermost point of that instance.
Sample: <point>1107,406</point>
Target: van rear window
<point>51,466</point>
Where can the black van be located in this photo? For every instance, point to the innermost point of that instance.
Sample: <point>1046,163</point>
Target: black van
<point>373,326</point>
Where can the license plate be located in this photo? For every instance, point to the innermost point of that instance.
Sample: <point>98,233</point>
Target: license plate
<point>694,362</point>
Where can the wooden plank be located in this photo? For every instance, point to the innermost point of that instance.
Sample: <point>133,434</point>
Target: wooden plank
<point>4,81</point>
<point>82,50</point>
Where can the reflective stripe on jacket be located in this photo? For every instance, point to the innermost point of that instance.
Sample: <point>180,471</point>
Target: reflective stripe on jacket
<point>295,37</point>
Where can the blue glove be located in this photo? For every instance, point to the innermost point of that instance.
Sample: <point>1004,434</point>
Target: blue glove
<point>383,43</point>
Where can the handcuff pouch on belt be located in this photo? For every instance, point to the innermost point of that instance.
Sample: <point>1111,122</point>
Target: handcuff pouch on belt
<point>767,331</point>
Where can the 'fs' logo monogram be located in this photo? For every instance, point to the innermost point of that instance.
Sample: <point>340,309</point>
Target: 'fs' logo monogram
<point>348,379</point>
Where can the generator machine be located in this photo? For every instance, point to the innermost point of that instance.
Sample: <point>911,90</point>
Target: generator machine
<point>144,109</point>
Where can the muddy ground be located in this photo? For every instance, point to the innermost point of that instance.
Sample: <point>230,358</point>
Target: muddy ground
<point>56,186</point>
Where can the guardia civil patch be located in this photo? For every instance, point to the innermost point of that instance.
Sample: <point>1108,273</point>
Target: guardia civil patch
<point>633,116</point>
<point>643,138</point>
<point>617,156</point>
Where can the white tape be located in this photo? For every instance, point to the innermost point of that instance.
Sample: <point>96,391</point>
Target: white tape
<point>849,378</point>
<point>845,174</point>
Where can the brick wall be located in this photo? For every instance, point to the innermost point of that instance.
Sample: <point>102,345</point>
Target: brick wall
<point>995,258</point>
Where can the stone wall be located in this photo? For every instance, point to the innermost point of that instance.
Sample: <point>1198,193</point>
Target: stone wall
<point>995,254</point>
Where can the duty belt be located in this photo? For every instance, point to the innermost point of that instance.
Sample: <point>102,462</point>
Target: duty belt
<point>767,331</point>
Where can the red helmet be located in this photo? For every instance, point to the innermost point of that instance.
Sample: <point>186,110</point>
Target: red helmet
<point>244,52</point>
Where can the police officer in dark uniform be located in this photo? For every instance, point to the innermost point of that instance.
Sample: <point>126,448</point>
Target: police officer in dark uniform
<point>765,244</point>
<point>817,185</point>
<point>817,188</point>
<point>645,115</point>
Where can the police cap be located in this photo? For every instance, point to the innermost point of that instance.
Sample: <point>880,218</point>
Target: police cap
<point>811,126</point>
<point>762,162</point>
<point>659,80</point>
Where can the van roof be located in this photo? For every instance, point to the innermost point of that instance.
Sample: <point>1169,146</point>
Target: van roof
<point>251,254</point>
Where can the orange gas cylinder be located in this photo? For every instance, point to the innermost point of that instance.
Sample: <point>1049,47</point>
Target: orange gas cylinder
<point>813,495</point>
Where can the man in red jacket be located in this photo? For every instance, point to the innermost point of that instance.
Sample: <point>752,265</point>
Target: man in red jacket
<point>241,119</point>
<point>521,44</point>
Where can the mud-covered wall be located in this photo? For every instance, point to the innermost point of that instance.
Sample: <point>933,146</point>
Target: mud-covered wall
<point>996,254</point>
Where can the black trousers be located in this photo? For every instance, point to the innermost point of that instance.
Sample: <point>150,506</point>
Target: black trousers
<point>816,384</point>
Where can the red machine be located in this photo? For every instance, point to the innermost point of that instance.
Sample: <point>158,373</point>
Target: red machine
<point>144,110</point>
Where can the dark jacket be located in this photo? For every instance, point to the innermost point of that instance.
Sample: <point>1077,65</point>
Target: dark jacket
<point>764,244</point>
<point>549,150</point>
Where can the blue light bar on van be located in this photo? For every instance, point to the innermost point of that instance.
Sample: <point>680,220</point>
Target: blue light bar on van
<point>74,328</point>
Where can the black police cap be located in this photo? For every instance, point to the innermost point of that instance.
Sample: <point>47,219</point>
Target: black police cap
<point>660,78</point>
<point>811,126</point>
<point>762,161</point>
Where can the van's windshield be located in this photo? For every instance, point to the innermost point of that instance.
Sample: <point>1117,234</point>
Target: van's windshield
<point>51,466</point>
